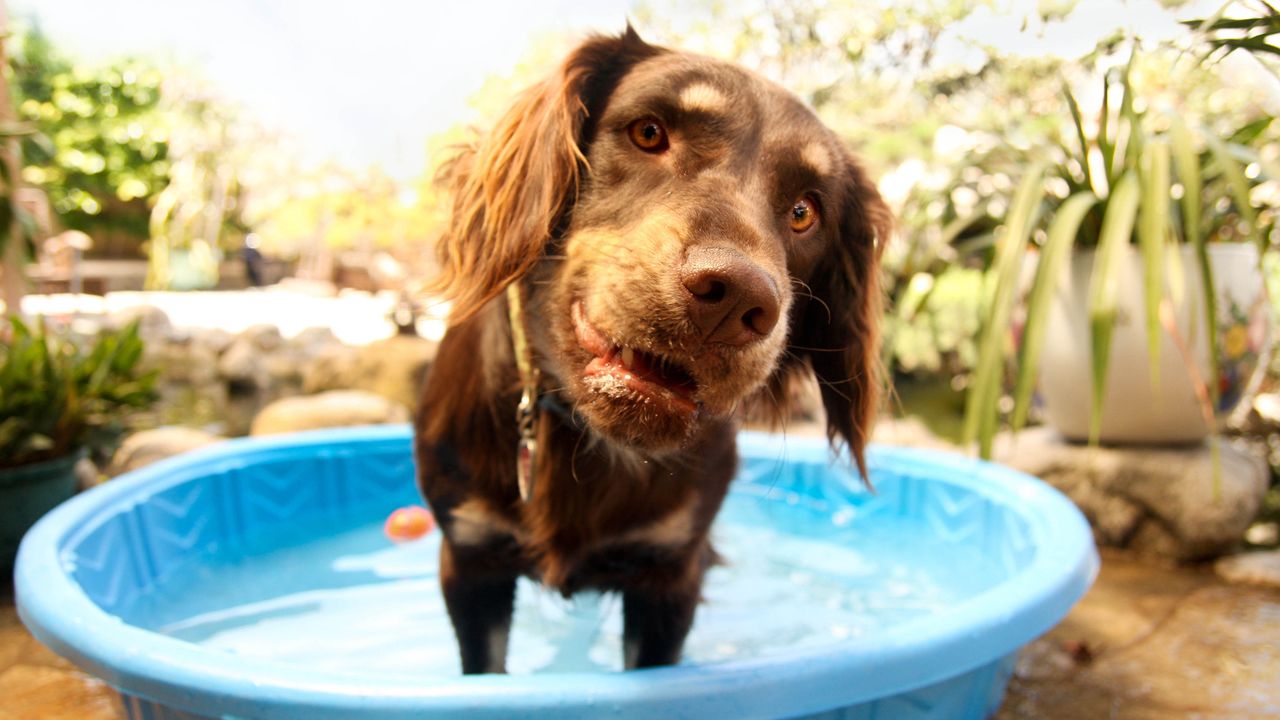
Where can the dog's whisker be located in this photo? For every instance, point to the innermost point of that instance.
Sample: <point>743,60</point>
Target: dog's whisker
<point>815,349</point>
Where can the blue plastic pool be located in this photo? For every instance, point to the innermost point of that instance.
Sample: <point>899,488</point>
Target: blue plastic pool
<point>251,580</point>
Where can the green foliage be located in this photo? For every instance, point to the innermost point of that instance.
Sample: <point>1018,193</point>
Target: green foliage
<point>933,325</point>
<point>1053,259</point>
<point>56,396</point>
<point>102,149</point>
<point>984,394</point>
<point>1120,173</point>
<point>951,123</point>
<point>1252,28</point>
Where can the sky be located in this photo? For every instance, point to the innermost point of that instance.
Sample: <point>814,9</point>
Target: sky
<point>360,83</point>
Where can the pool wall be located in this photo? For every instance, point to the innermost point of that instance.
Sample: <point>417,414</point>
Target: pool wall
<point>82,569</point>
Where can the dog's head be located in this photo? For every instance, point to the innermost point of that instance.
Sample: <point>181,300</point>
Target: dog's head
<point>689,236</point>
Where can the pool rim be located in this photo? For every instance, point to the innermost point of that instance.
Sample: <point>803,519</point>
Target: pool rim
<point>186,676</point>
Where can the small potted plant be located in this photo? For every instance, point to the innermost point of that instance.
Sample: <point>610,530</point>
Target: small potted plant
<point>58,401</point>
<point>1147,312</point>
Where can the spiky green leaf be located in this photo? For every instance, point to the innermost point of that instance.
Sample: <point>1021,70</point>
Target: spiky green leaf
<point>1239,186</point>
<point>1113,241</point>
<point>1153,230</point>
<point>982,407</point>
<point>1053,257</point>
<point>1078,121</point>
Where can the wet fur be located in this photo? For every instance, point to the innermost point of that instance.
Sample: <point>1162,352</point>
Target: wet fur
<point>556,199</point>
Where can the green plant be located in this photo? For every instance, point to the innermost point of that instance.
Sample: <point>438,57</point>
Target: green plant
<point>931,327</point>
<point>1252,28</point>
<point>101,148</point>
<point>57,396</point>
<point>1117,185</point>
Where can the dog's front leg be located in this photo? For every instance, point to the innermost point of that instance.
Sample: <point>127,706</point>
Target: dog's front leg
<point>480,602</point>
<point>655,623</point>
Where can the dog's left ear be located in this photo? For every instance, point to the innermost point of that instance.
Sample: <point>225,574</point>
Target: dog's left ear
<point>513,189</point>
<point>838,328</point>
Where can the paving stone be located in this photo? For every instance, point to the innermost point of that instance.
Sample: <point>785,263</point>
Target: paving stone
<point>36,683</point>
<point>47,693</point>
<point>1158,642</point>
<point>1255,568</point>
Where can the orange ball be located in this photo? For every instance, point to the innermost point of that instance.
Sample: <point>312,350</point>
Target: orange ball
<point>409,523</point>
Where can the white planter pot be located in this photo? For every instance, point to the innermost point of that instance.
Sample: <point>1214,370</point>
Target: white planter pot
<point>1133,410</point>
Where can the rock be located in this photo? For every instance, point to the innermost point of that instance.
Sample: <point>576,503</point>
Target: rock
<point>1254,568</point>
<point>1267,409</point>
<point>289,365</point>
<point>334,368</point>
<point>336,408</point>
<point>1157,500</point>
<point>215,340</point>
<point>1263,532</point>
<point>394,367</point>
<point>313,340</point>
<point>87,474</point>
<point>143,448</point>
<point>264,336</point>
<point>241,365</point>
<point>153,323</point>
<point>183,359</point>
<point>251,362</point>
<point>284,369</point>
<point>1256,419</point>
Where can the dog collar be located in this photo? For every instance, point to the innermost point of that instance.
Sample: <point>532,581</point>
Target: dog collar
<point>527,410</point>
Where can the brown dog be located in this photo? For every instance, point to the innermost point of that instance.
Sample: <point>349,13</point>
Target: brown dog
<point>686,237</point>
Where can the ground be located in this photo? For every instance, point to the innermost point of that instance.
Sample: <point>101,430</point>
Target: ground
<point>1151,642</point>
<point>1147,642</point>
<point>36,684</point>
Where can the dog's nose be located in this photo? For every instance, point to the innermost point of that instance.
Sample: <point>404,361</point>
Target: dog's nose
<point>731,299</point>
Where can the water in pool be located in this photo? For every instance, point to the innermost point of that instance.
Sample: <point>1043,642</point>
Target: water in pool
<point>354,602</point>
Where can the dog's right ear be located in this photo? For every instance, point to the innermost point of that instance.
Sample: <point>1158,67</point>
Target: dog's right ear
<point>513,188</point>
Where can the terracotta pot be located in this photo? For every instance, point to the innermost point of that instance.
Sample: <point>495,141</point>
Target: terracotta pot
<point>1136,409</point>
<point>27,492</point>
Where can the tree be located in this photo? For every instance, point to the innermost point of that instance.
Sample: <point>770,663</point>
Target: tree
<point>101,151</point>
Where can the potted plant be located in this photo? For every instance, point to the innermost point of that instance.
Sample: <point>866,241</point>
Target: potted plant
<point>1147,308</point>
<point>58,401</point>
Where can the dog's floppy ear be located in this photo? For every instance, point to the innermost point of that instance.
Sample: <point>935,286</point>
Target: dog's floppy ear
<point>838,328</point>
<point>513,188</point>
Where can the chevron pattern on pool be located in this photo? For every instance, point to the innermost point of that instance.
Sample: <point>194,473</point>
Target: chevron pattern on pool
<point>220,509</point>
<point>972,695</point>
<point>953,513</point>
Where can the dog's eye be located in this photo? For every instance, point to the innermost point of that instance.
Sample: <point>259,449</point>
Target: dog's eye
<point>648,135</point>
<point>804,215</point>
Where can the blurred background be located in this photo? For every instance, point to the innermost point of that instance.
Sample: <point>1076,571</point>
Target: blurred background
<point>254,179</point>
<point>216,219</point>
